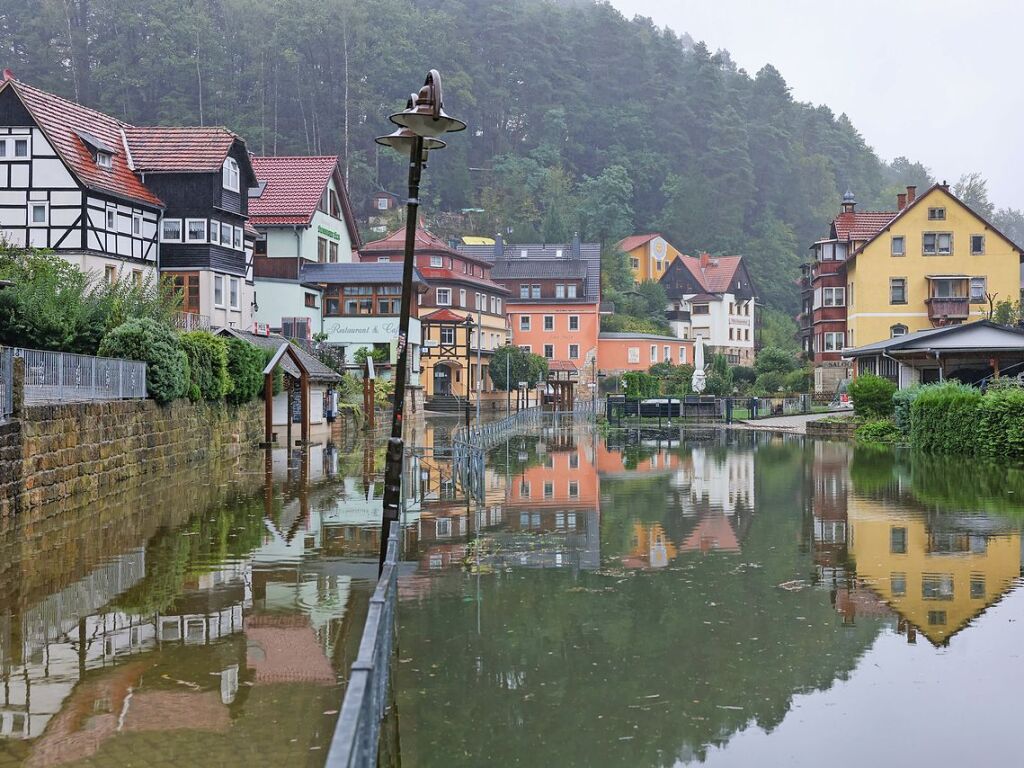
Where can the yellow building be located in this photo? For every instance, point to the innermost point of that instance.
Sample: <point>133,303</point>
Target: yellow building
<point>936,580</point>
<point>649,255</point>
<point>936,262</point>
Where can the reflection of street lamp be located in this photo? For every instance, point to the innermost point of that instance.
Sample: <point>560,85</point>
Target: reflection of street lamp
<point>423,119</point>
<point>468,322</point>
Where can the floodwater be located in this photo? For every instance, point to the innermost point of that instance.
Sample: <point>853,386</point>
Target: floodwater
<point>732,599</point>
<point>729,599</point>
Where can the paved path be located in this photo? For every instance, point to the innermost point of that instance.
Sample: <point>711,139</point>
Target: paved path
<point>795,424</point>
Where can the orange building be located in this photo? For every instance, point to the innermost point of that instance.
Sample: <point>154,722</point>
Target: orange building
<point>621,352</point>
<point>649,255</point>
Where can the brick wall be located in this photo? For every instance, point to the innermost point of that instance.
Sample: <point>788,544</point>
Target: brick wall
<point>79,451</point>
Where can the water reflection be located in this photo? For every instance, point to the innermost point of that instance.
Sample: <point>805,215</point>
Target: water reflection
<point>710,588</point>
<point>202,620</point>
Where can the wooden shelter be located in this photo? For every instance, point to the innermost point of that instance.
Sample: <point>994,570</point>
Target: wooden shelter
<point>286,349</point>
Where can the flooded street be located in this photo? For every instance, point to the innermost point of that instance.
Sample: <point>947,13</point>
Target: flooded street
<point>729,598</point>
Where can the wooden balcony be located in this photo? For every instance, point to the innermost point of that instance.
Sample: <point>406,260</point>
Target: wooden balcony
<point>948,309</point>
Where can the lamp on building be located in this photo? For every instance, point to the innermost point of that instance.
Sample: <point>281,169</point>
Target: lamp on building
<point>419,124</point>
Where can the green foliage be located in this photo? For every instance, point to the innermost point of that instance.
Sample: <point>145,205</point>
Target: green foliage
<point>1007,312</point>
<point>377,354</point>
<point>743,375</point>
<point>774,359</point>
<point>1000,428</point>
<point>674,379</point>
<point>797,381</point>
<point>245,363</point>
<point>167,369</point>
<point>383,393</point>
<point>620,323</point>
<point>520,365</point>
<point>872,396</point>
<point>639,384</point>
<point>944,418</point>
<point>719,377</point>
<point>882,431</point>
<point>769,383</point>
<point>902,402</point>
<point>208,365</point>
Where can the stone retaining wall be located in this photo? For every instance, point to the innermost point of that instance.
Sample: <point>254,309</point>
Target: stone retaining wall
<point>76,451</point>
<point>839,430</point>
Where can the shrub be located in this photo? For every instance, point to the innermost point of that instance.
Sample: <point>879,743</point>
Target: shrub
<point>1000,429</point>
<point>167,372</point>
<point>743,375</point>
<point>772,359</point>
<point>796,381</point>
<point>902,400</point>
<point>639,384</point>
<point>378,354</point>
<point>245,370</point>
<point>872,396</point>
<point>879,431</point>
<point>769,383</point>
<point>208,365</point>
<point>944,418</point>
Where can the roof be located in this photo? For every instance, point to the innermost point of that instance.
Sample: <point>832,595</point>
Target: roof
<point>624,336</point>
<point>717,274</point>
<point>294,186</point>
<point>699,297</point>
<point>539,269</point>
<point>982,337</point>
<point>179,150</point>
<point>443,316</point>
<point>358,272</point>
<point>861,225</point>
<point>539,253</point>
<point>271,343</point>
<point>443,274</point>
<point>63,122</point>
<point>635,241</point>
<point>561,365</point>
<point>425,241</point>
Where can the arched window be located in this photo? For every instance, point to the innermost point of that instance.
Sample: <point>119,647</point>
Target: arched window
<point>230,174</point>
<point>897,330</point>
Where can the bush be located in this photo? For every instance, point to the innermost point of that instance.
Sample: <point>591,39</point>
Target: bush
<point>902,401</point>
<point>208,365</point>
<point>944,418</point>
<point>167,372</point>
<point>1000,429</point>
<point>769,383</point>
<point>379,355</point>
<point>879,431</point>
<point>796,381</point>
<point>245,370</point>
<point>872,396</point>
<point>772,359</point>
<point>743,375</point>
<point>639,384</point>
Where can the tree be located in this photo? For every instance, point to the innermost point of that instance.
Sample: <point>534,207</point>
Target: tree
<point>520,365</point>
<point>606,205</point>
<point>773,359</point>
<point>972,189</point>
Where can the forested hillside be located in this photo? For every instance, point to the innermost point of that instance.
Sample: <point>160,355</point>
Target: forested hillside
<point>579,119</point>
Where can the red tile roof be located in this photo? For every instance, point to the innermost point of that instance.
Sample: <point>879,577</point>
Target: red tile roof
<point>712,532</point>
<point>716,275</point>
<point>443,316</point>
<point>62,121</point>
<point>635,241</point>
<point>178,150</point>
<point>293,191</point>
<point>424,241</point>
<point>561,365</point>
<point>442,274</point>
<point>861,225</point>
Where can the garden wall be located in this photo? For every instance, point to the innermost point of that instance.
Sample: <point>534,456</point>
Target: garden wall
<point>79,451</point>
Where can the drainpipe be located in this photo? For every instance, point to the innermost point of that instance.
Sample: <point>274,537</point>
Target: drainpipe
<point>899,369</point>
<point>942,375</point>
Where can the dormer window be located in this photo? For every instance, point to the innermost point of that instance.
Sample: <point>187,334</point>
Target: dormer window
<point>105,160</point>
<point>230,177</point>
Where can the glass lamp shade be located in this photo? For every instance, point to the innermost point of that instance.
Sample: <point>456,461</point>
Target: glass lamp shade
<point>403,141</point>
<point>422,121</point>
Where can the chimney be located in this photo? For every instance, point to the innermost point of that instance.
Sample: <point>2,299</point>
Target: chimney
<point>8,75</point>
<point>705,260</point>
<point>901,201</point>
<point>499,247</point>
<point>575,249</point>
<point>911,193</point>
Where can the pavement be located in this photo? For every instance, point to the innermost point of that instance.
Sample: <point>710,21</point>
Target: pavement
<point>796,424</point>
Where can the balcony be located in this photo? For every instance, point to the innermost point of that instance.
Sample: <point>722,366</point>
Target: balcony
<point>678,315</point>
<point>948,309</point>
<point>191,321</point>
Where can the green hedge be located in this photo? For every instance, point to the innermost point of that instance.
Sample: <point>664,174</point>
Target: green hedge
<point>872,396</point>
<point>902,402</point>
<point>944,418</point>
<point>880,431</point>
<point>208,365</point>
<point>245,370</point>
<point>640,384</point>
<point>1000,428</point>
<point>167,369</point>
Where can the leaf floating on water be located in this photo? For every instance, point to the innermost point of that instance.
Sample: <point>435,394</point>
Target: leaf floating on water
<point>728,706</point>
<point>793,586</point>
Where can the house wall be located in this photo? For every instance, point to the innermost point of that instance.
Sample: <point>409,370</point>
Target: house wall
<point>284,298</point>
<point>650,256</point>
<point>871,316</point>
<point>560,337</point>
<point>613,355</point>
<point>354,332</point>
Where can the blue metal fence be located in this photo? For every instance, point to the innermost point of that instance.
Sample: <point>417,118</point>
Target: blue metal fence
<point>62,377</point>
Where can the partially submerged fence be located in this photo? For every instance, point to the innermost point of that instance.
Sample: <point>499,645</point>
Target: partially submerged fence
<point>705,408</point>
<point>62,377</point>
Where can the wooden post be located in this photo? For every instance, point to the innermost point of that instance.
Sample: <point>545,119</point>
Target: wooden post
<point>268,407</point>
<point>304,393</point>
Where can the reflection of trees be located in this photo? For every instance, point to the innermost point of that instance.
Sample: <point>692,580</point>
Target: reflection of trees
<point>516,457</point>
<point>621,669</point>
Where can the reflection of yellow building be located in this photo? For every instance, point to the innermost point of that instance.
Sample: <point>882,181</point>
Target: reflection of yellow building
<point>938,580</point>
<point>651,547</point>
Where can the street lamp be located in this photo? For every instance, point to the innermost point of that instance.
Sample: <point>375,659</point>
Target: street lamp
<point>419,124</point>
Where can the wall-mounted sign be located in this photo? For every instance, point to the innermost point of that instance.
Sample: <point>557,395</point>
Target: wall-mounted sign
<point>328,233</point>
<point>388,329</point>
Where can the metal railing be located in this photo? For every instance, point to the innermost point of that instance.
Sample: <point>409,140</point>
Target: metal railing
<point>491,433</point>
<point>63,377</point>
<point>6,382</point>
<point>356,737</point>
<point>192,321</point>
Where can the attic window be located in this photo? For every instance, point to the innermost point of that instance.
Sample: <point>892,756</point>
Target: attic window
<point>104,160</point>
<point>230,178</point>
<point>936,214</point>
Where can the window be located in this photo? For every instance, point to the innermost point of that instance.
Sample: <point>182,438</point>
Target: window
<point>218,290</point>
<point>21,147</point>
<point>170,231</point>
<point>382,203</point>
<point>215,232</point>
<point>136,223</point>
<point>37,214</point>
<point>524,291</point>
<point>534,291</point>
<point>524,489</point>
<point>195,230</point>
<point>383,259</point>
<point>937,586</point>
<point>571,289</point>
<point>654,353</point>
<point>311,300</point>
<point>524,322</point>
<point>389,299</point>
<point>574,322</point>
<point>105,160</point>
<point>110,274</point>
<point>560,291</point>
<point>549,351</point>
<point>666,354</point>
<point>233,295</point>
<point>462,297</point>
<point>834,341</point>
<point>977,245</point>
<point>936,618</point>
<point>549,489</point>
<point>444,297</point>
<point>936,214</point>
<point>549,322</point>
<point>978,289</point>
<point>977,586</point>
<point>574,489</point>
<point>897,330</point>
<point>834,297</point>
<point>634,262</point>
<point>333,257</point>
<point>447,335</point>
<point>700,309</point>
<point>239,240</point>
<point>898,584</point>
<point>633,354</point>
<point>229,174</point>
<point>497,306</point>
<point>436,261</point>
<point>494,305</point>
<point>574,351</point>
<point>321,250</point>
<point>898,541</point>
<point>682,355</point>
<point>897,290</point>
<point>112,219</point>
<point>899,246</point>
<point>937,244</point>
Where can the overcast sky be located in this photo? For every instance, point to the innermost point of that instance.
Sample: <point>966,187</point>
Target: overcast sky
<point>936,80</point>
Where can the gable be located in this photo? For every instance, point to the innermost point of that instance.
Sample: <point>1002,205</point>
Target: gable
<point>12,111</point>
<point>678,280</point>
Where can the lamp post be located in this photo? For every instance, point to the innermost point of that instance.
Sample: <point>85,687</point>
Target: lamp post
<point>419,125</point>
